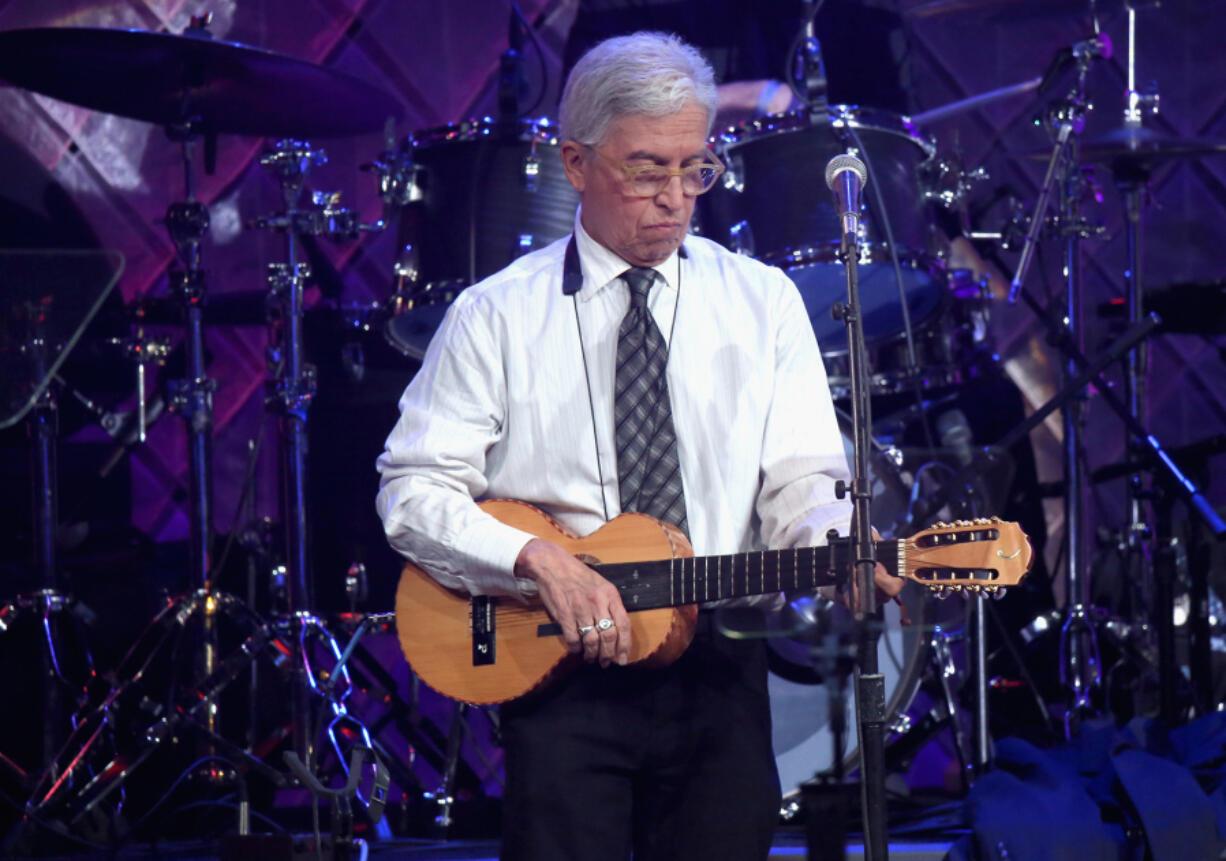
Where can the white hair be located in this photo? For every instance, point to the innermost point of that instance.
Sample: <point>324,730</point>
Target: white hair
<point>655,74</point>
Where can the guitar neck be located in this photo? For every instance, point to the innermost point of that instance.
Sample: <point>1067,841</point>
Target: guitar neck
<point>698,579</point>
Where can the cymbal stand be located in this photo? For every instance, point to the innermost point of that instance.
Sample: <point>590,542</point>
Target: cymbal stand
<point>1143,570</point>
<point>1080,669</point>
<point>48,603</point>
<point>292,386</point>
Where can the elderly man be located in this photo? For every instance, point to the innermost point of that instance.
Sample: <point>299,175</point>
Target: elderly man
<point>632,367</point>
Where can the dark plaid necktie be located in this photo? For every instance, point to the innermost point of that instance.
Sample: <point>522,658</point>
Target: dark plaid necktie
<point>648,471</point>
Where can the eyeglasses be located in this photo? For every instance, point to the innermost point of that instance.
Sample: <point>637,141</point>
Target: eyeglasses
<point>648,180</point>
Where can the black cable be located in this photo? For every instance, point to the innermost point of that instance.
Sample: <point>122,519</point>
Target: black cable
<point>184,775</point>
<point>231,805</point>
<point>908,331</point>
<point>253,460</point>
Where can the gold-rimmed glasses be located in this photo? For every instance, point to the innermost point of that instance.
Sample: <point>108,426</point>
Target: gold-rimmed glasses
<point>648,180</point>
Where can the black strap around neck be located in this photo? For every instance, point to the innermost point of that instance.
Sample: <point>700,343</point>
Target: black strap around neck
<point>572,272</point>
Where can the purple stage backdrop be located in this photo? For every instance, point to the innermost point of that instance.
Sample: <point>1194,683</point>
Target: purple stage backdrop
<point>440,60</point>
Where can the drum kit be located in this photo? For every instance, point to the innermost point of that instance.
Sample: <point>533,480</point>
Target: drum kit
<point>468,199</point>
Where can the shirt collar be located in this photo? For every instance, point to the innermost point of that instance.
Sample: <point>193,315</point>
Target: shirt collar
<point>602,267</point>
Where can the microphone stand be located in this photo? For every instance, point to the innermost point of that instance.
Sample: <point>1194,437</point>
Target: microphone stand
<point>870,683</point>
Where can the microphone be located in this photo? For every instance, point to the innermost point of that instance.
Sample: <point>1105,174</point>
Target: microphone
<point>846,176</point>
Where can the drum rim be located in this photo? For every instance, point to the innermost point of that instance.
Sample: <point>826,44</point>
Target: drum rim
<point>870,252</point>
<point>929,378</point>
<point>911,676</point>
<point>852,116</point>
<point>540,130</point>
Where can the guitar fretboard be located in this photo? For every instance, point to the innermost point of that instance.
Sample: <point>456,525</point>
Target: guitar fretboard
<point>697,580</point>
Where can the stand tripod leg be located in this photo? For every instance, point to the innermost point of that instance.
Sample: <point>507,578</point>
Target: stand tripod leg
<point>445,797</point>
<point>982,756</point>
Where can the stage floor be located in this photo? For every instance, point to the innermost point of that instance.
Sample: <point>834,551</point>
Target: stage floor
<point>786,845</point>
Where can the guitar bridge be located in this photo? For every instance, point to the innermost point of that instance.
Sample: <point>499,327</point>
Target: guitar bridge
<point>483,617</point>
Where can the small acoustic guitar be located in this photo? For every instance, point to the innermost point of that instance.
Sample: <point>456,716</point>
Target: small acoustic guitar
<point>487,650</point>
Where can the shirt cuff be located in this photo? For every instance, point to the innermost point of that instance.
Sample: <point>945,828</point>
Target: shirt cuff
<point>493,548</point>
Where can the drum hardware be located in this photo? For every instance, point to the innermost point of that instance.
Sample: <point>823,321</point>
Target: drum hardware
<point>196,87</point>
<point>292,383</point>
<point>472,197</point>
<point>808,78</point>
<point>122,728</point>
<point>42,329</point>
<point>1131,151</point>
<point>971,103</point>
<point>342,839</point>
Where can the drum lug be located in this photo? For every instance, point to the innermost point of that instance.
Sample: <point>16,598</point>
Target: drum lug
<point>530,170</point>
<point>407,268</point>
<point>525,243</point>
<point>397,176</point>
<point>734,173</point>
<point>901,724</point>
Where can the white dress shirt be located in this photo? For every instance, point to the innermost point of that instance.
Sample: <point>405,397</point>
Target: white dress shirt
<point>514,399</point>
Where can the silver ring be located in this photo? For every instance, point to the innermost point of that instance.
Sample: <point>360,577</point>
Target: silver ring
<point>605,624</point>
<point>584,629</point>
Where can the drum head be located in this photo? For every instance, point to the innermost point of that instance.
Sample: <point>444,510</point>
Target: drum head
<point>822,284</point>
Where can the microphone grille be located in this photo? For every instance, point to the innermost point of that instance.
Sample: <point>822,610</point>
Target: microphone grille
<point>842,162</point>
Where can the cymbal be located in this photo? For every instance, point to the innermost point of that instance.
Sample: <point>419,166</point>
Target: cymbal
<point>1013,10</point>
<point>1137,145</point>
<point>166,79</point>
<point>1140,144</point>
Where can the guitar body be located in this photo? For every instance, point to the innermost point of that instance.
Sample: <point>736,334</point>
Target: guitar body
<point>435,624</point>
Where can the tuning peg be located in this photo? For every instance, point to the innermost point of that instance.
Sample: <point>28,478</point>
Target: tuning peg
<point>1000,592</point>
<point>973,587</point>
<point>941,593</point>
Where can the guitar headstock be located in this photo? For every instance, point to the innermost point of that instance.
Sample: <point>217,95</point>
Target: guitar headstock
<point>985,555</point>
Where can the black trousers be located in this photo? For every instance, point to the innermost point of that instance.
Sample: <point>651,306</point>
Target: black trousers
<point>672,764</point>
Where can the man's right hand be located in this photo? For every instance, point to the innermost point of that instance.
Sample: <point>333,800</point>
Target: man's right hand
<point>577,597</point>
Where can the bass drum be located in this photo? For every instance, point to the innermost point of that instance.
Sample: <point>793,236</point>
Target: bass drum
<point>800,717</point>
<point>481,194</point>
<point>800,707</point>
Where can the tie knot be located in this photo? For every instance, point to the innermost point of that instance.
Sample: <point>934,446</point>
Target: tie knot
<point>639,279</point>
